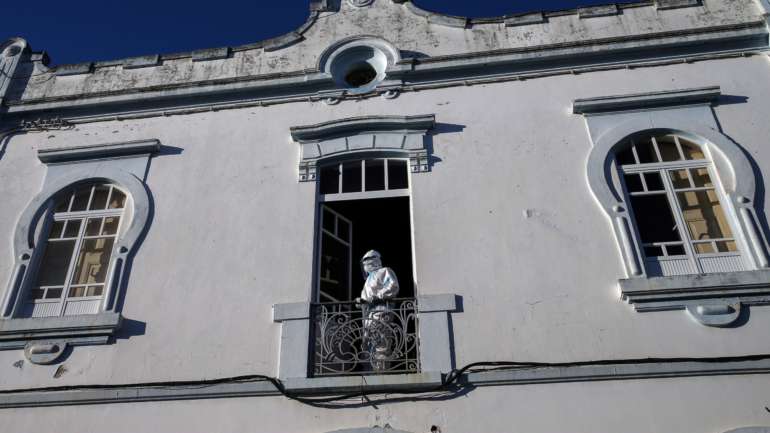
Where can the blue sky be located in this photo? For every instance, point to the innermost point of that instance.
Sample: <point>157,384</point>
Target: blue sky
<point>89,30</point>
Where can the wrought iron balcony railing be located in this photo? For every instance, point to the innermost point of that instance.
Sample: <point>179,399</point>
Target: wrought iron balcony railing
<point>377,338</point>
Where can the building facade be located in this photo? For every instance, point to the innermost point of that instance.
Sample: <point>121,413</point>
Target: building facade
<point>573,204</point>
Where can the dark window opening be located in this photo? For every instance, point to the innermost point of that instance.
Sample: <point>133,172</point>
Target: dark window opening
<point>360,74</point>
<point>654,218</point>
<point>353,227</point>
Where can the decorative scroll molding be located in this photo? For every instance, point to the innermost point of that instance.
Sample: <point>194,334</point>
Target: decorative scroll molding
<point>387,135</point>
<point>110,150</point>
<point>11,52</point>
<point>711,299</point>
<point>646,100</point>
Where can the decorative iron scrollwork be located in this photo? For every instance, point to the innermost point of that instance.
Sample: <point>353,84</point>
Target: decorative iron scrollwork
<point>366,339</point>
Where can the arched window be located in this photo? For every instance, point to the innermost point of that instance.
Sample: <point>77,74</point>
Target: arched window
<point>73,269</point>
<point>678,206</point>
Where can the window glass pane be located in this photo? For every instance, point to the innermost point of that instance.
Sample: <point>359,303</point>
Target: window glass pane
<point>704,248</point>
<point>654,218</point>
<point>667,148</point>
<point>398,177</point>
<point>64,203</point>
<point>375,174</point>
<point>72,228</point>
<point>99,201</point>
<point>703,216</point>
<point>328,221</point>
<point>110,225</point>
<point>351,176</point>
<point>53,294</point>
<point>57,228</point>
<point>634,183</point>
<point>654,182</point>
<point>653,251</point>
<point>330,179</point>
<point>335,268</point>
<point>77,292</point>
<point>93,260</point>
<point>700,177</point>
<point>625,156</point>
<point>36,294</point>
<point>93,226</point>
<point>117,199</point>
<point>691,150</point>
<point>81,199</point>
<point>343,230</point>
<point>727,246</point>
<point>675,250</point>
<point>680,178</point>
<point>56,260</point>
<point>94,291</point>
<point>645,151</point>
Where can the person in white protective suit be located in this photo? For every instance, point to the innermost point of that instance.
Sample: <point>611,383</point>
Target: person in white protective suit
<point>380,286</point>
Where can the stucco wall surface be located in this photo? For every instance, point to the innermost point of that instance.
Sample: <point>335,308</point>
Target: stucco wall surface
<point>505,219</point>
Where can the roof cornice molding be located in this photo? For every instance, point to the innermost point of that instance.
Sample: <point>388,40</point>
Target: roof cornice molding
<point>356,125</point>
<point>603,104</point>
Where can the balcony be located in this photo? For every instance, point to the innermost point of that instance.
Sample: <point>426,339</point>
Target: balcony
<point>358,339</point>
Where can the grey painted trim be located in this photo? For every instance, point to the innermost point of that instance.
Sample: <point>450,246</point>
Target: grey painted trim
<point>73,69</point>
<point>598,11</point>
<point>11,53</point>
<point>525,19</point>
<point>210,54</point>
<point>141,62</point>
<point>354,125</point>
<point>526,376</point>
<point>741,197</point>
<point>436,303</point>
<point>14,334</point>
<point>750,430</point>
<point>493,66</point>
<point>437,18</point>
<point>369,430</point>
<point>370,135</point>
<point>291,311</point>
<point>97,151</point>
<point>675,4</point>
<point>385,382</point>
<point>711,299</point>
<point>646,100</point>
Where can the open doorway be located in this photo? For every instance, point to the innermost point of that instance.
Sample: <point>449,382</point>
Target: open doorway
<point>352,221</point>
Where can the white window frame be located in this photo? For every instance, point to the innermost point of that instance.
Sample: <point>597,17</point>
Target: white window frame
<point>691,262</point>
<point>65,299</point>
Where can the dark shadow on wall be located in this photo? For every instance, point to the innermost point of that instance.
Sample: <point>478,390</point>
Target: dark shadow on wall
<point>439,128</point>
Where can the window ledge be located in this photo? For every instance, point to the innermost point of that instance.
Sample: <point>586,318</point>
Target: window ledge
<point>73,330</point>
<point>712,299</point>
<point>341,384</point>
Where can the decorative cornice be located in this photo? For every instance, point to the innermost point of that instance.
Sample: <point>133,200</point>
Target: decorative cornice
<point>75,330</point>
<point>605,104</point>
<point>98,151</point>
<point>712,299</point>
<point>355,125</point>
<point>416,382</point>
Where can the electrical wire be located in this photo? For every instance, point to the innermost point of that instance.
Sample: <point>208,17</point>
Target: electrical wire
<point>451,383</point>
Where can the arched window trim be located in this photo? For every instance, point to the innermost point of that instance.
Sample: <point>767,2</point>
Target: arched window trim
<point>25,242</point>
<point>741,194</point>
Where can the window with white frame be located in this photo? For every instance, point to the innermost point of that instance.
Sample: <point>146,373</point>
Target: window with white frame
<point>677,204</point>
<point>73,269</point>
<point>363,205</point>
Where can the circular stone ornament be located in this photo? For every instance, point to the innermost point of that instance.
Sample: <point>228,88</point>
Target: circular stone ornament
<point>360,3</point>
